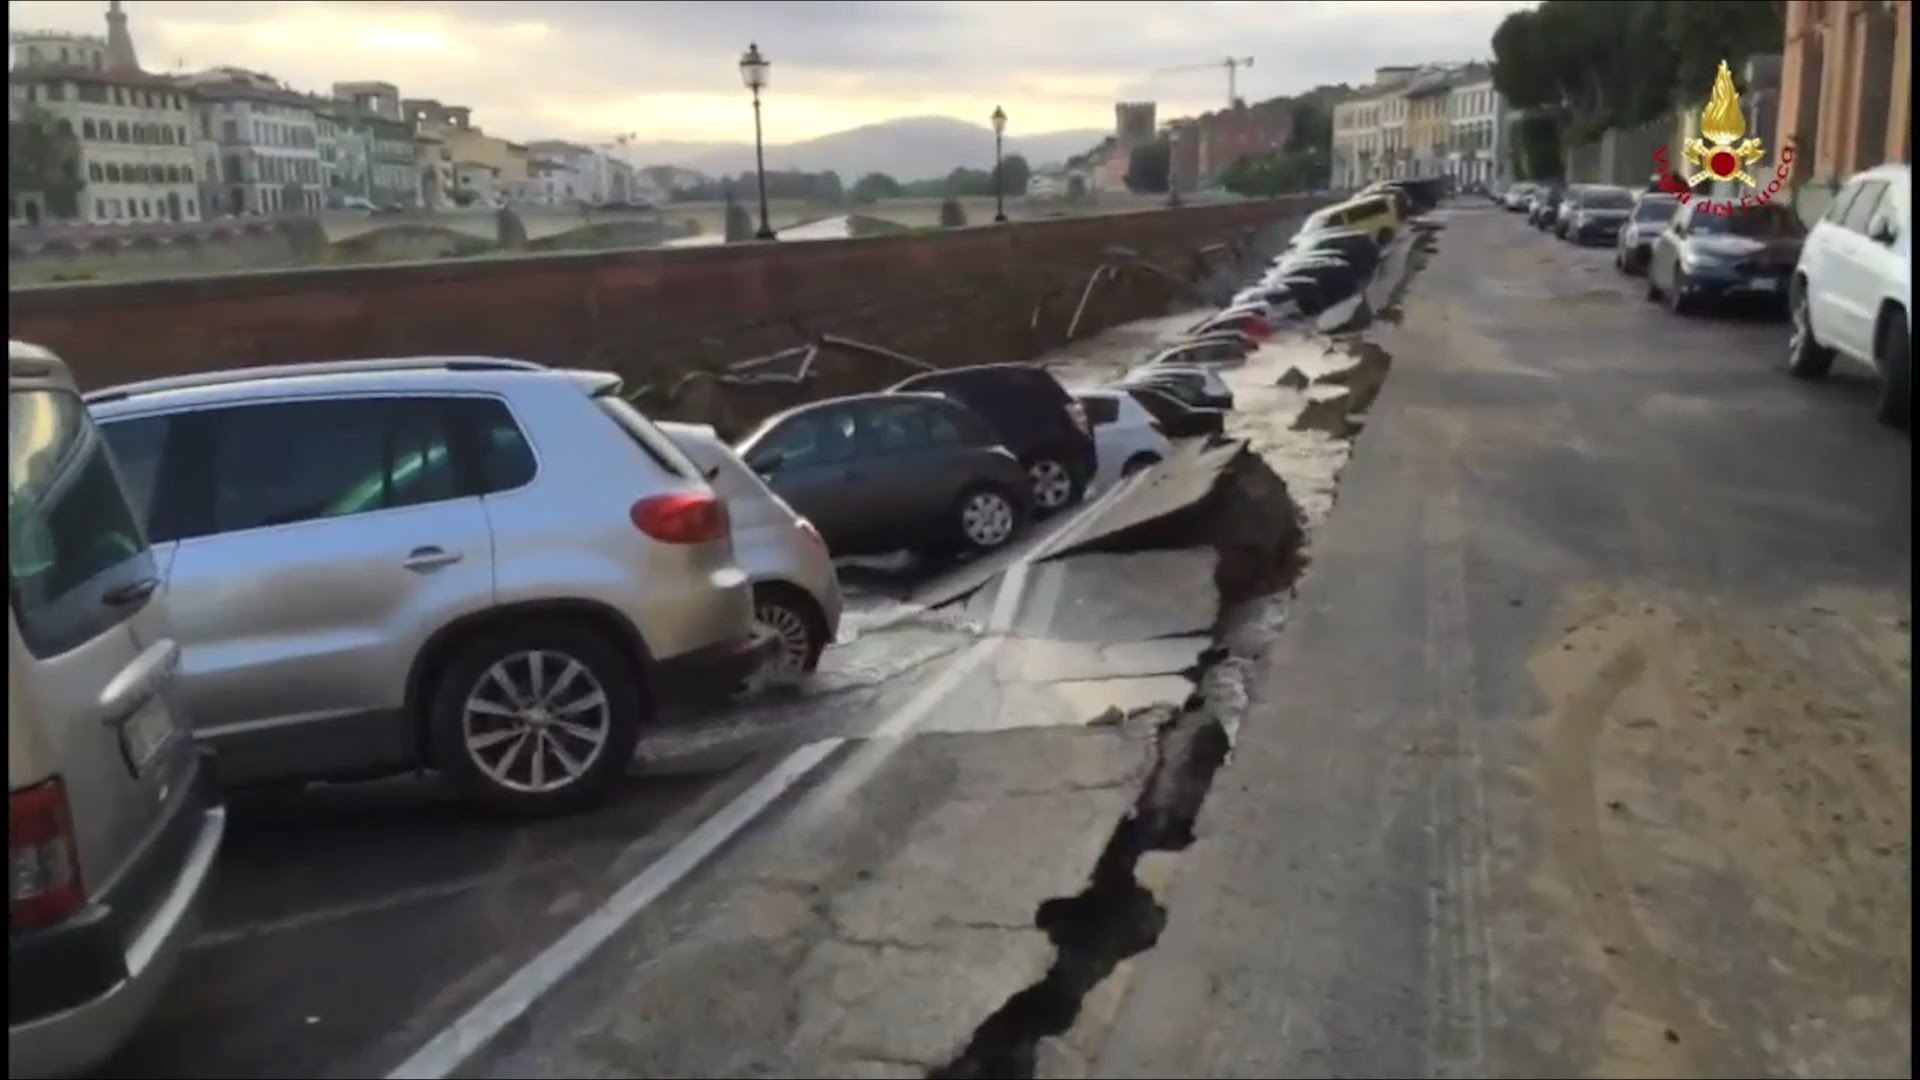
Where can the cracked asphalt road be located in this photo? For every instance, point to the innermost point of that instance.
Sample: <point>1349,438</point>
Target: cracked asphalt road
<point>1587,748</point>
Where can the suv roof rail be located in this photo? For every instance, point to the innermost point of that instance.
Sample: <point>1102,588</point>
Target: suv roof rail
<point>326,367</point>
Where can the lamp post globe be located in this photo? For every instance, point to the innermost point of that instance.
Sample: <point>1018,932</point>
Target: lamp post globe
<point>755,69</point>
<point>999,119</point>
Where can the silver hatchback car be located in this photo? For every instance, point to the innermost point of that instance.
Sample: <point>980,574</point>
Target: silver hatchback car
<point>113,822</point>
<point>796,592</point>
<point>487,567</point>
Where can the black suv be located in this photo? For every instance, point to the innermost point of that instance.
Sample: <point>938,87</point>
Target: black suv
<point>1033,416</point>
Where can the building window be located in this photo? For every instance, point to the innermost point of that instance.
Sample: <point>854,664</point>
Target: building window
<point>86,129</point>
<point>113,173</point>
<point>180,134</point>
<point>91,93</point>
<point>56,91</point>
<point>190,209</point>
<point>94,172</point>
<point>120,133</point>
<point>119,96</point>
<point>186,174</point>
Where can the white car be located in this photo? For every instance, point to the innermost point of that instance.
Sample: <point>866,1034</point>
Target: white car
<point>1126,438</point>
<point>1852,293</point>
<point>796,591</point>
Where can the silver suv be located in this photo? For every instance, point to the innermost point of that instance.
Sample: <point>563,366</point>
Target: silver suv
<point>487,567</point>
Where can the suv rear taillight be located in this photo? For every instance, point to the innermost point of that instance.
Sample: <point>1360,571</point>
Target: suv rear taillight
<point>682,519</point>
<point>1079,414</point>
<point>46,858</point>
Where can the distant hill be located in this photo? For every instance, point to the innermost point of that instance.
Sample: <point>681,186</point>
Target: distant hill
<point>918,148</point>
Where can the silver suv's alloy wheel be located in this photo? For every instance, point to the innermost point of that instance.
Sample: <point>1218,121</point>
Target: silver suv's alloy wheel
<point>987,519</point>
<point>536,722</point>
<point>1052,484</point>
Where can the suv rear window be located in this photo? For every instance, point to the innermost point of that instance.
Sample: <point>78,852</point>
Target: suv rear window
<point>1101,410</point>
<point>651,440</point>
<point>68,521</point>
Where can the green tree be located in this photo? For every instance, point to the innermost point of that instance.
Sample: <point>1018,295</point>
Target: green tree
<point>1149,166</point>
<point>952,214</point>
<point>738,225</point>
<point>1014,172</point>
<point>1076,186</point>
<point>43,158</point>
<point>875,186</point>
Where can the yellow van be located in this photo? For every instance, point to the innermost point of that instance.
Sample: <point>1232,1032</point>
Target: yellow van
<point>1374,215</point>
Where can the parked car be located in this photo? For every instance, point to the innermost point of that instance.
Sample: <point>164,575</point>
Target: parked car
<point>1031,414</point>
<point>1203,351</point>
<point>1311,293</point>
<point>1543,205</point>
<point>113,819</point>
<point>1705,258</point>
<point>485,567</point>
<point>1335,273</point>
<point>1555,220</point>
<point>1197,387</point>
<point>1650,214</point>
<point>1279,302</point>
<point>1518,195</point>
<point>1233,339</point>
<point>1595,212</point>
<point>1356,247</point>
<point>1176,418</point>
<point>882,472</point>
<point>1377,215</point>
<point>796,592</point>
<point>1247,323</point>
<point>1126,434</point>
<point>1853,290</point>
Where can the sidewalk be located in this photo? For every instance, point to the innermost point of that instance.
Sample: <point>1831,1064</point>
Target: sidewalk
<point>1585,749</point>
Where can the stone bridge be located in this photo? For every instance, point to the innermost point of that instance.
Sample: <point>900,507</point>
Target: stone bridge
<point>482,223</point>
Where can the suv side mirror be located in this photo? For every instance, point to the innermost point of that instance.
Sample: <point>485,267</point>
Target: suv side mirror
<point>767,463</point>
<point>1882,232</point>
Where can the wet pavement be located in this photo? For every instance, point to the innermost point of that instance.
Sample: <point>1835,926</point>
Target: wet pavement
<point>876,839</point>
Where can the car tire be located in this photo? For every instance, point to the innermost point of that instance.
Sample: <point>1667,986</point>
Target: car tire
<point>1677,296</point>
<point>1653,290</point>
<point>795,623</point>
<point>1806,357</point>
<point>1619,262</point>
<point>1383,237</point>
<point>1055,487</point>
<point>587,730</point>
<point>1894,347</point>
<point>985,518</point>
<point>1146,459</point>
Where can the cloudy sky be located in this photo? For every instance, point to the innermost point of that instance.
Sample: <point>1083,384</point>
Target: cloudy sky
<point>667,70</point>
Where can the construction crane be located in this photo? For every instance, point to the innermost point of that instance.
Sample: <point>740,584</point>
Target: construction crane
<point>1233,64</point>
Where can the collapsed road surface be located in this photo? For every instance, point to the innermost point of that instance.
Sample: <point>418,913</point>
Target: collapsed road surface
<point>846,877</point>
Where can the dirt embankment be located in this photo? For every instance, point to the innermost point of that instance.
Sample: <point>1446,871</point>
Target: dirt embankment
<point>1724,800</point>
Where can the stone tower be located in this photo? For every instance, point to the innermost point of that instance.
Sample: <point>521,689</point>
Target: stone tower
<point>120,54</point>
<point>1134,122</point>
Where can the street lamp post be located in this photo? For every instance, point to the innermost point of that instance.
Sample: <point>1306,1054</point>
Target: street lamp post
<point>753,71</point>
<point>999,173</point>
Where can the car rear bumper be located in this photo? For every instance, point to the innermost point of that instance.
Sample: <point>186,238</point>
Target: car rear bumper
<point>1767,288</point>
<point>712,670</point>
<point>77,991</point>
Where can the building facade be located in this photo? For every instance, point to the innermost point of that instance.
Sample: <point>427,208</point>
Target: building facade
<point>1427,127</point>
<point>564,172</point>
<point>1846,85</point>
<point>259,144</point>
<point>1477,143</point>
<point>472,165</point>
<point>1203,147</point>
<point>129,135</point>
<point>372,120</point>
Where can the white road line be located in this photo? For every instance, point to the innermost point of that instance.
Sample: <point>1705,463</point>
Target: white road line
<point>509,1001</point>
<point>478,1026</point>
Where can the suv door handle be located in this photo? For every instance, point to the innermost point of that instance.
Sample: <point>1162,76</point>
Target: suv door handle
<point>429,558</point>
<point>133,592</point>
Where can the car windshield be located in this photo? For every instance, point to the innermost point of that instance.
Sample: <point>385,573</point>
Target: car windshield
<point>1607,199</point>
<point>1758,223</point>
<point>1655,209</point>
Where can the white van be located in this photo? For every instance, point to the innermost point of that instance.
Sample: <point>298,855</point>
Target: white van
<point>113,820</point>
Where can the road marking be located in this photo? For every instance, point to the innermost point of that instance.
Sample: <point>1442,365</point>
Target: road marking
<point>478,1026</point>
<point>509,1001</point>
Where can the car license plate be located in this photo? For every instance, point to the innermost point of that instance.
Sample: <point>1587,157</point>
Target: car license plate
<point>147,733</point>
<point>1765,284</point>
